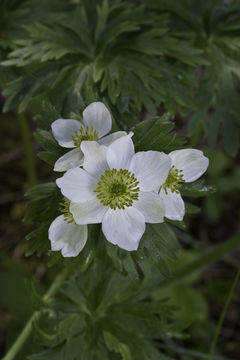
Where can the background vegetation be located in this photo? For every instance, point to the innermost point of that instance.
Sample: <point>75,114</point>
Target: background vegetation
<point>143,59</point>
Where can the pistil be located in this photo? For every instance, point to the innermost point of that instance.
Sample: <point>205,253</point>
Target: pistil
<point>117,189</point>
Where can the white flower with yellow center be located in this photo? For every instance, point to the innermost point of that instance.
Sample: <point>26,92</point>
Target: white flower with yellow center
<point>65,235</point>
<point>117,188</point>
<point>187,165</point>
<point>69,133</point>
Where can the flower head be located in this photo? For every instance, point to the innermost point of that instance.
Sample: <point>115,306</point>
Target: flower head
<point>65,235</point>
<point>187,165</point>
<point>70,133</point>
<point>117,188</point>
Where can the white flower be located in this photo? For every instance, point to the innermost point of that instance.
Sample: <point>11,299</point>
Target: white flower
<point>187,165</point>
<point>70,133</point>
<point>65,235</point>
<point>117,188</point>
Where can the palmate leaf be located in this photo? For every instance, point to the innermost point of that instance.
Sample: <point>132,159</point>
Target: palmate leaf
<point>113,344</point>
<point>15,13</point>
<point>115,46</point>
<point>214,27</point>
<point>157,246</point>
<point>103,313</point>
<point>70,350</point>
<point>156,134</point>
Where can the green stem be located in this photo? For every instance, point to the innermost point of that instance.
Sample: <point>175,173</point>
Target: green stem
<point>223,314</point>
<point>21,339</point>
<point>28,149</point>
<point>203,260</point>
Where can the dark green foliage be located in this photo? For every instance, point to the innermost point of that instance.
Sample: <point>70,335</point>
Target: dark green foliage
<point>115,47</point>
<point>183,56</point>
<point>145,55</point>
<point>157,244</point>
<point>43,208</point>
<point>214,27</point>
<point>14,14</point>
<point>156,134</point>
<point>48,143</point>
<point>98,315</point>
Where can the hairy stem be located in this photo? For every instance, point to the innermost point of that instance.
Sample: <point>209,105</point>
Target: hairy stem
<point>28,149</point>
<point>23,336</point>
<point>223,314</point>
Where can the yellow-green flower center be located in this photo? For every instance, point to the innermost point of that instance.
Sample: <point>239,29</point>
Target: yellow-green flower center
<point>117,188</point>
<point>174,180</point>
<point>65,210</point>
<point>84,134</point>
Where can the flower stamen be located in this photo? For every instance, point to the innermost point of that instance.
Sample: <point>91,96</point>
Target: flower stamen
<point>174,180</point>
<point>84,134</point>
<point>66,212</point>
<point>117,188</point>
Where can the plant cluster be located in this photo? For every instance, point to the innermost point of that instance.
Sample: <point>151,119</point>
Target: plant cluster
<point>104,80</point>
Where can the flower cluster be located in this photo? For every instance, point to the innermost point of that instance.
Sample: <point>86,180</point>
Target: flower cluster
<point>107,182</point>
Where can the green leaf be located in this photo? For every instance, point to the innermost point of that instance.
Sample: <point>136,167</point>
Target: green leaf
<point>70,350</point>
<point>48,115</point>
<point>43,207</point>
<point>41,191</point>
<point>196,188</point>
<point>47,141</point>
<point>157,246</point>
<point>113,253</point>
<point>114,344</point>
<point>48,157</point>
<point>51,354</point>
<point>39,240</point>
<point>163,238</point>
<point>191,209</point>
<point>155,134</point>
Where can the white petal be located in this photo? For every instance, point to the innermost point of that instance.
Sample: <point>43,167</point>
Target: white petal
<point>63,130</point>
<point>124,227</point>
<point>95,161</point>
<point>96,115</point>
<point>151,169</point>
<point>89,212</point>
<point>151,206</point>
<point>191,161</point>
<point>77,185</point>
<point>107,140</point>
<point>71,159</point>
<point>174,205</point>
<point>69,238</point>
<point>120,153</point>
